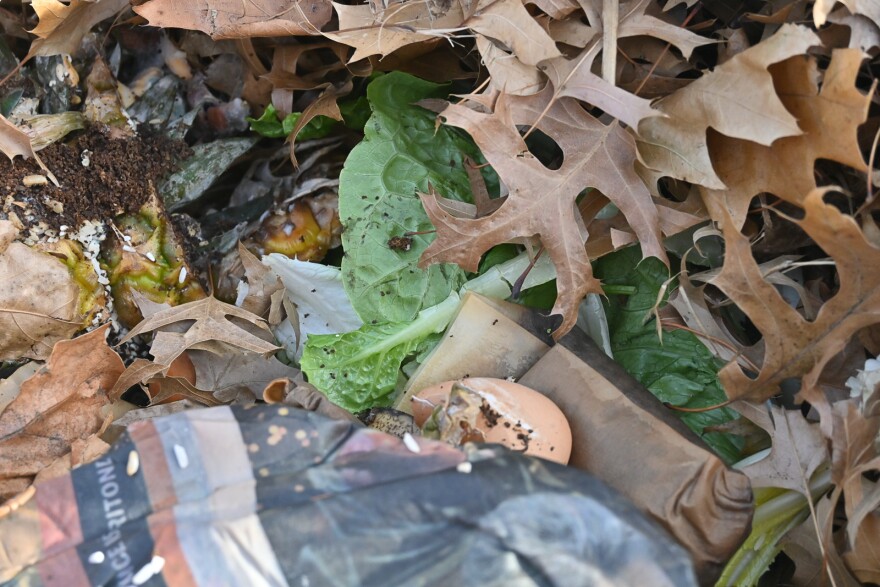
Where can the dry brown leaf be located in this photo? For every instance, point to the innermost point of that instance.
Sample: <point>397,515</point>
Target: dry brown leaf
<point>542,201</point>
<point>385,31</point>
<point>853,456</point>
<point>261,284</point>
<point>798,450</point>
<point>634,22</point>
<point>690,301</point>
<point>15,142</point>
<point>381,32</point>
<point>510,23</point>
<point>211,322</point>
<point>829,119</point>
<point>737,99</point>
<point>39,302</point>
<point>234,19</point>
<point>864,33</point>
<point>575,79</point>
<point>62,25</point>
<point>509,74</point>
<point>236,375</point>
<point>794,346</point>
<point>868,8</point>
<point>204,326</point>
<point>10,387</point>
<point>60,404</point>
<point>812,564</point>
<point>324,105</point>
<point>864,559</point>
<point>556,9</point>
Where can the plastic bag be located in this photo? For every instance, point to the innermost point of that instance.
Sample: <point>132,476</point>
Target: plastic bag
<point>271,495</point>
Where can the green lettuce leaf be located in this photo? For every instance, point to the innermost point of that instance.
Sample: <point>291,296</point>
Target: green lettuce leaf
<point>679,371</point>
<point>402,153</point>
<point>270,126</point>
<point>360,369</point>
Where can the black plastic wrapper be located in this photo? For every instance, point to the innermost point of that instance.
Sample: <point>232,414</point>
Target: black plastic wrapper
<point>275,496</point>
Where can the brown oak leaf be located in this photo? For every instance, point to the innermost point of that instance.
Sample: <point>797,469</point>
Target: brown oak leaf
<point>798,450</point>
<point>829,119</point>
<point>62,25</point>
<point>793,345</point>
<point>381,32</point>
<point>233,19</point>
<point>211,321</point>
<point>737,99</point>
<point>542,201</point>
<point>58,405</point>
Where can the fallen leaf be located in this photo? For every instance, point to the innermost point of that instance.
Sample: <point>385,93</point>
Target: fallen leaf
<point>793,345</point>
<point>864,559</point>
<point>556,9</point>
<point>232,19</point>
<point>39,302</point>
<point>62,25</point>
<point>798,450</point>
<point>212,321</point>
<point>237,376</point>
<point>10,387</point>
<point>62,403</point>
<point>256,290</point>
<point>385,31</point>
<point>829,118</point>
<point>575,79</point>
<point>382,32</point>
<point>324,105</point>
<point>510,23</point>
<point>542,201</point>
<point>814,561</point>
<point>15,142</point>
<point>635,22</point>
<point>509,74</point>
<point>868,8</point>
<point>864,33</point>
<point>737,99</point>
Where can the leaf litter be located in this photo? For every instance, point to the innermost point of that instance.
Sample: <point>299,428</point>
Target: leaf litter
<point>534,170</point>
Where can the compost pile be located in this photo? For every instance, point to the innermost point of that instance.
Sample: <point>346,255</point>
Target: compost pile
<point>198,203</point>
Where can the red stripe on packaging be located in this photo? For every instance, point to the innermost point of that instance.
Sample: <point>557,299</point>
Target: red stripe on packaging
<point>157,476</point>
<point>59,516</point>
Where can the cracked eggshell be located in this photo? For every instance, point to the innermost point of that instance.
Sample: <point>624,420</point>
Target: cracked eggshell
<point>514,415</point>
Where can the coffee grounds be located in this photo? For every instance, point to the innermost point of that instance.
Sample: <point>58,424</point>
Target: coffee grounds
<point>116,179</point>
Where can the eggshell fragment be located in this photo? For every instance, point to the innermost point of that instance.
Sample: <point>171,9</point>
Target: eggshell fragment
<point>512,414</point>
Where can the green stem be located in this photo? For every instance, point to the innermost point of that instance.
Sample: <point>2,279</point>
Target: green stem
<point>772,521</point>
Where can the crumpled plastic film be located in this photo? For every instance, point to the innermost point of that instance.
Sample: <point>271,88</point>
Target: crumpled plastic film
<point>272,495</point>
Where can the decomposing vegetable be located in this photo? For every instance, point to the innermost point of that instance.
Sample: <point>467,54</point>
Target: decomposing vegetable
<point>144,255</point>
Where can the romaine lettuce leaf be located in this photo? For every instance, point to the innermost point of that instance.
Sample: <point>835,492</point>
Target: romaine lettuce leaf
<point>680,370</point>
<point>402,153</point>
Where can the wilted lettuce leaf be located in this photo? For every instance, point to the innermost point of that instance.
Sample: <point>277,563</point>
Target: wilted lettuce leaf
<point>402,153</point>
<point>680,370</point>
<point>359,369</point>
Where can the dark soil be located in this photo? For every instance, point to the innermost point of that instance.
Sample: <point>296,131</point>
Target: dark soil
<point>117,179</point>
